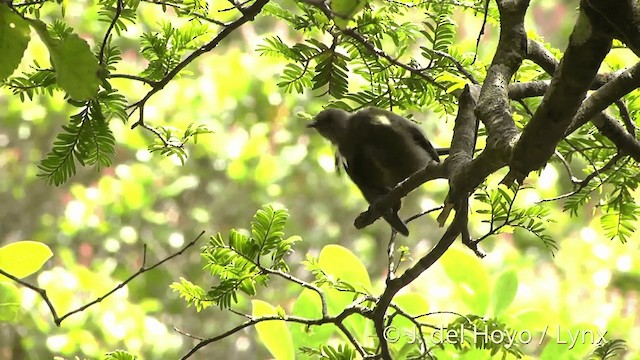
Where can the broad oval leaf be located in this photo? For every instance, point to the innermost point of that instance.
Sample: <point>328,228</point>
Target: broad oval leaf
<point>274,334</point>
<point>470,277</point>
<point>342,264</point>
<point>75,65</point>
<point>23,258</point>
<point>308,305</point>
<point>14,38</point>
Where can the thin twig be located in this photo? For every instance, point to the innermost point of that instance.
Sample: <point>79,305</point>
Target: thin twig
<point>58,320</point>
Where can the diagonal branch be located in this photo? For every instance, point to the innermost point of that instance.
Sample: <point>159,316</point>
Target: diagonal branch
<point>587,48</point>
<point>248,14</point>
<point>143,269</point>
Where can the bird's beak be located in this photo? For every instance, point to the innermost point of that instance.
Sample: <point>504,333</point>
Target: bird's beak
<point>312,124</point>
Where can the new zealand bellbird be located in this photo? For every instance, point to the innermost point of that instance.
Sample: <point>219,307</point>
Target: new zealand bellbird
<point>378,149</point>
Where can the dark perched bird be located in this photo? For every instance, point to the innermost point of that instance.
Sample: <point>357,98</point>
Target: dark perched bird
<point>378,149</point>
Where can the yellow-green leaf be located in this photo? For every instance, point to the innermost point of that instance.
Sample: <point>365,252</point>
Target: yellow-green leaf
<point>75,65</point>
<point>504,291</point>
<point>470,276</point>
<point>23,258</point>
<point>14,38</point>
<point>274,334</point>
<point>345,10</point>
<point>340,263</point>
<point>9,301</point>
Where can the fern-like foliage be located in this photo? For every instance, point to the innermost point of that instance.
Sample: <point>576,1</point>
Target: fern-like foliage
<point>86,139</point>
<point>609,350</point>
<point>119,355</point>
<point>168,143</point>
<point>351,69</point>
<point>242,262</point>
<point>612,182</point>
<point>127,13</point>
<point>342,352</point>
<point>487,334</point>
<point>165,49</point>
<point>503,215</point>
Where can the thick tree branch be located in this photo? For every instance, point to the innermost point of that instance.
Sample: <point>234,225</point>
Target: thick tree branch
<point>493,107</point>
<point>493,104</point>
<point>620,19</point>
<point>621,84</point>
<point>587,48</point>
<point>626,142</point>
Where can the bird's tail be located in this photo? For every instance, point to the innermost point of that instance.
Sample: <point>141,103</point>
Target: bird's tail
<point>396,223</point>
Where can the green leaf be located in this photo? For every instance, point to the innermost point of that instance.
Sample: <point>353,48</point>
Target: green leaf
<point>470,277</point>
<point>402,333</point>
<point>504,291</point>
<point>342,264</point>
<point>76,66</point>
<point>23,258</point>
<point>119,355</point>
<point>308,305</point>
<point>345,10</point>
<point>273,334</point>
<point>9,301</point>
<point>14,38</point>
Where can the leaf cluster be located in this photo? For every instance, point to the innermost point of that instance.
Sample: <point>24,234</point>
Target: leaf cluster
<point>504,215</point>
<point>242,261</point>
<point>351,68</point>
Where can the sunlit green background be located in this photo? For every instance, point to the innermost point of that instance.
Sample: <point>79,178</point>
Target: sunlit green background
<point>260,152</point>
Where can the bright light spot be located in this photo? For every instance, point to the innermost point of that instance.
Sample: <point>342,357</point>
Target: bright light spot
<point>57,342</point>
<point>4,140</point>
<point>75,212</point>
<point>327,163</point>
<point>151,112</point>
<point>24,132</point>
<point>294,154</point>
<point>128,234</point>
<point>12,25</point>
<point>531,197</point>
<point>588,234</point>
<point>93,221</point>
<point>242,344</point>
<point>274,190</point>
<point>154,327</point>
<point>275,99</point>
<point>143,155</point>
<point>601,251</point>
<point>177,161</point>
<point>236,144</point>
<point>93,194</point>
<point>624,263</point>
<point>112,245</point>
<point>123,171</point>
<point>427,204</point>
<point>176,240</point>
<point>548,178</point>
<point>601,278</point>
<point>116,329</point>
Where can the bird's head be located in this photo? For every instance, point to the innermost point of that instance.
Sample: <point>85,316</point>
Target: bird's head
<point>331,124</point>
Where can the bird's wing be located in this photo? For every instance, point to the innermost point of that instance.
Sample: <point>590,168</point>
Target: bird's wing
<point>377,116</point>
<point>419,137</point>
<point>364,169</point>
